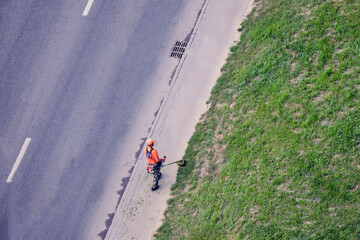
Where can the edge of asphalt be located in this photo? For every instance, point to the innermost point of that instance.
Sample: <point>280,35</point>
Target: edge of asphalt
<point>140,212</point>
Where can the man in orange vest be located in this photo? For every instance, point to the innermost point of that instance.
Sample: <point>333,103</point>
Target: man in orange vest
<point>154,162</point>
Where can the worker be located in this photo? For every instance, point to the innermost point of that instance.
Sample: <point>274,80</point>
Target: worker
<point>154,162</point>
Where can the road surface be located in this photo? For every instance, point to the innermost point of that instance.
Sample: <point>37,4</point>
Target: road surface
<point>80,85</point>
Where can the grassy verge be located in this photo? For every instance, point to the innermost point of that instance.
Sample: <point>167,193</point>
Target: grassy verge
<point>277,154</point>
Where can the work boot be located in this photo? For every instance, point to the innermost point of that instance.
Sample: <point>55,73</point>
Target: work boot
<point>155,185</point>
<point>153,188</point>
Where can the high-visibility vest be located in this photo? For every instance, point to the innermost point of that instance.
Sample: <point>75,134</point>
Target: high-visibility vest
<point>148,154</point>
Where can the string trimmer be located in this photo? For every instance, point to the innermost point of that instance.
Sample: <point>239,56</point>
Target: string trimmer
<point>181,163</point>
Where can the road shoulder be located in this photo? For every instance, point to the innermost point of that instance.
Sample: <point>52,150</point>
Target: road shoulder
<point>140,211</point>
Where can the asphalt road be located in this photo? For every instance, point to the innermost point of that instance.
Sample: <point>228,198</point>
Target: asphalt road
<point>74,85</point>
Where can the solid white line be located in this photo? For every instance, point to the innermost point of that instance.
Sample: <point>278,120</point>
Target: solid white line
<point>18,159</point>
<point>87,8</point>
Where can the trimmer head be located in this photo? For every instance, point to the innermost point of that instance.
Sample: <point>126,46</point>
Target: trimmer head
<point>181,163</point>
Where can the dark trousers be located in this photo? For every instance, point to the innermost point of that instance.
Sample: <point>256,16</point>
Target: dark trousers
<point>157,174</point>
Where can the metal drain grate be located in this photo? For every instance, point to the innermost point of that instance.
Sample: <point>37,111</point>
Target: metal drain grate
<point>179,49</point>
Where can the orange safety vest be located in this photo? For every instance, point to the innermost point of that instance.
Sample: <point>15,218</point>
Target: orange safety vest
<point>151,155</point>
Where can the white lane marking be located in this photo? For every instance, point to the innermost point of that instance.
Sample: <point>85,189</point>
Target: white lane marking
<point>87,8</point>
<point>18,159</point>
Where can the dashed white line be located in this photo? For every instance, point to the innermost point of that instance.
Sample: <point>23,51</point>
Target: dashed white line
<point>87,8</point>
<point>18,159</point>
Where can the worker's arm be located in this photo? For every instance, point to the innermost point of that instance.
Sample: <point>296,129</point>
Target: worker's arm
<point>156,156</point>
<point>160,159</point>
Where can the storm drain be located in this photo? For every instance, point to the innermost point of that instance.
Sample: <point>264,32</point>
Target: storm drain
<point>179,49</point>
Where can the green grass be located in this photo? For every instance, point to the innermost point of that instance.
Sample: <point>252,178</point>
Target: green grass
<point>277,155</point>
